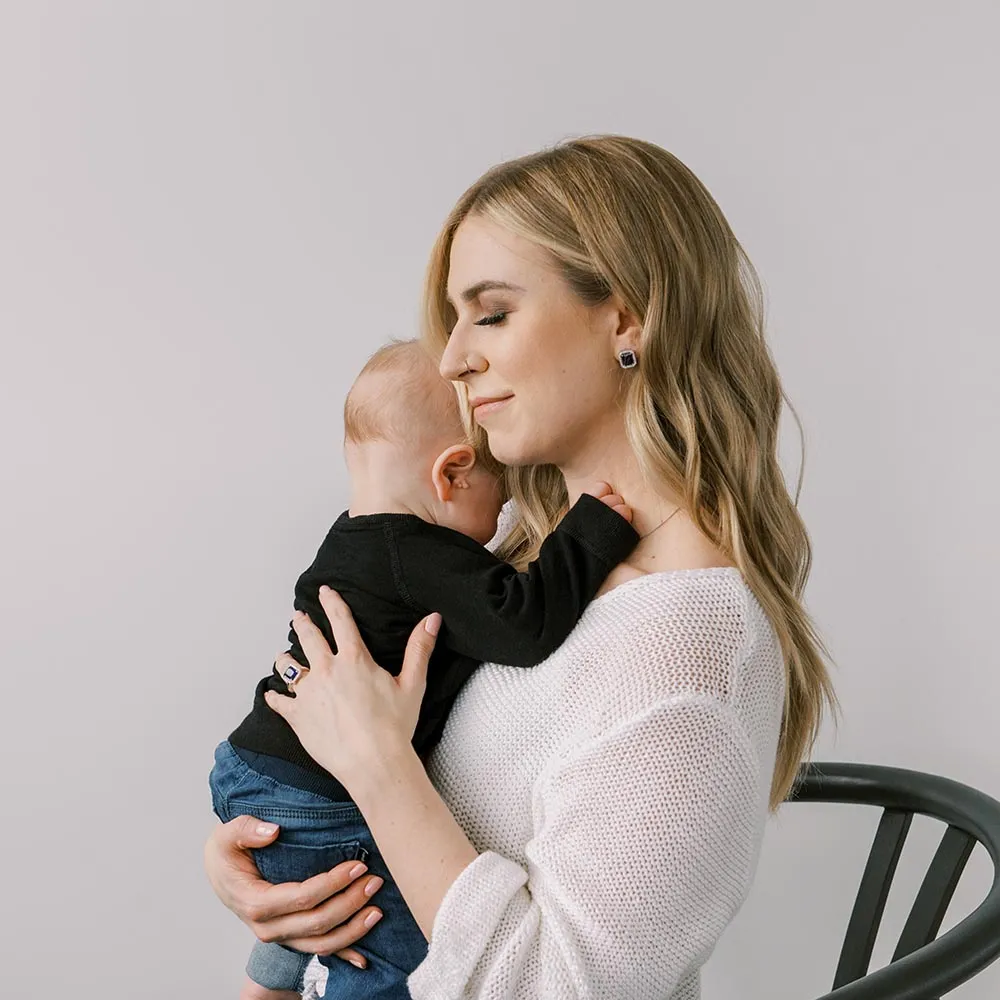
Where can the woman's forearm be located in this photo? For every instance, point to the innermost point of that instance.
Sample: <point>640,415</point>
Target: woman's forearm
<point>423,846</point>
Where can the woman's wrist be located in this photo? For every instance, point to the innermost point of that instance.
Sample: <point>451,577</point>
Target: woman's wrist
<point>419,839</point>
<point>393,761</point>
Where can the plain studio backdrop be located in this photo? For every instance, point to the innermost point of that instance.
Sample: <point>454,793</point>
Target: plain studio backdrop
<point>212,213</point>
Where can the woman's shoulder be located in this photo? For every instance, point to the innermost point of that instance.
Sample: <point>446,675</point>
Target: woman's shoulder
<point>677,606</point>
<point>678,621</point>
<point>675,634</point>
<point>678,544</point>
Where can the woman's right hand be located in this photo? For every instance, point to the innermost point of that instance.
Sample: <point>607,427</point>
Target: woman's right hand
<point>323,915</point>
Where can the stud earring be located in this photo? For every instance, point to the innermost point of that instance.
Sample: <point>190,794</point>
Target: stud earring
<point>627,359</point>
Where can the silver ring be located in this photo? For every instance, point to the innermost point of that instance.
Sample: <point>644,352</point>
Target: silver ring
<point>293,673</point>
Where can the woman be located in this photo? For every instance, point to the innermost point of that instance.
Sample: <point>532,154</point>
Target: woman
<point>589,827</point>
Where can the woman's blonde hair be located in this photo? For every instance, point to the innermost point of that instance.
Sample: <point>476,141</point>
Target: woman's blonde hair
<point>625,217</point>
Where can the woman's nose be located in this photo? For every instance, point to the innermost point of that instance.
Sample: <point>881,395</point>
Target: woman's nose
<point>449,360</point>
<point>455,361</point>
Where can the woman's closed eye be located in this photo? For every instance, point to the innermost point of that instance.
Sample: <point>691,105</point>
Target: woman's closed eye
<point>498,317</point>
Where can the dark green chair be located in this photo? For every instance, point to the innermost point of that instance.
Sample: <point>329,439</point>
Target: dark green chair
<point>923,966</point>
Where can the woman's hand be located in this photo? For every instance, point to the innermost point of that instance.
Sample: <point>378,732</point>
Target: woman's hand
<point>324,915</point>
<point>348,712</point>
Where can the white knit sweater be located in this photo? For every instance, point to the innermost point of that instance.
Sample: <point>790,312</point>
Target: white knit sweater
<point>617,793</point>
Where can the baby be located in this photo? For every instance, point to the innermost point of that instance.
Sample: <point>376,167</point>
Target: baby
<point>422,508</point>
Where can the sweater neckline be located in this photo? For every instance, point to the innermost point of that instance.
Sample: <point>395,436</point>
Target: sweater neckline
<point>663,574</point>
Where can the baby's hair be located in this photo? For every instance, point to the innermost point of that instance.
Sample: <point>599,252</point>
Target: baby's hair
<point>400,396</point>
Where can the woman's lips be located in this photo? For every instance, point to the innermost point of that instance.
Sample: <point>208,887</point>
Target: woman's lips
<point>488,407</point>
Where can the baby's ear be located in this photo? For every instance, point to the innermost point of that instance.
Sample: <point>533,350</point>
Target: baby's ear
<point>451,470</point>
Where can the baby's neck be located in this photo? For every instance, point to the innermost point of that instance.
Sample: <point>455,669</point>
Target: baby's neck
<point>382,483</point>
<point>370,499</point>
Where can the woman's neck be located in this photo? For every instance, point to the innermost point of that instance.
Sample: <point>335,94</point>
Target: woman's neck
<point>615,464</point>
<point>680,545</point>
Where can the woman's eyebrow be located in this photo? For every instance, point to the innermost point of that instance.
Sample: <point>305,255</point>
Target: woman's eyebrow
<point>474,291</point>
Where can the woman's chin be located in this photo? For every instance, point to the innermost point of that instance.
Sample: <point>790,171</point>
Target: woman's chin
<point>513,450</point>
<point>504,451</point>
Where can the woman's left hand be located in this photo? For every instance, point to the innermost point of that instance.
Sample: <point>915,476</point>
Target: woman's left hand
<point>347,711</point>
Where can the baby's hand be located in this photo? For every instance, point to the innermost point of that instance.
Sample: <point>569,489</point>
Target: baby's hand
<point>605,493</point>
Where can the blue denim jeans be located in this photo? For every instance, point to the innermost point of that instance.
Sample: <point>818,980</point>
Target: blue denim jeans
<point>316,835</point>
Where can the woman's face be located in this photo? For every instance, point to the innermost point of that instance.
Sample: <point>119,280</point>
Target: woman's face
<point>524,339</point>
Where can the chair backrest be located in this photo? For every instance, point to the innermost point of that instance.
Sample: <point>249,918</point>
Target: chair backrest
<point>923,966</point>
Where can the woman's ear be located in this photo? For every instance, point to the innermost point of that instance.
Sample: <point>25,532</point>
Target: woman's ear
<point>627,327</point>
<point>451,470</point>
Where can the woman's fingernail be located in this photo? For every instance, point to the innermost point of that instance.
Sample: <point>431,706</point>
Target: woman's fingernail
<point>374,884</point>
<point>357,870</point>
<point>265,829</point>
<point>433,623</point>
<point>373,918</point>
<point>357,963</point>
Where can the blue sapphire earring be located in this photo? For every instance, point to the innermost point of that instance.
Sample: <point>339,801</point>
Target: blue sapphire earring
<point>627,359</point>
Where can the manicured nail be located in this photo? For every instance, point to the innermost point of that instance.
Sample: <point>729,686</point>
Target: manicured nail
<point>374,884</point>
<point>357,870</point>
<point>433,623</point>
<point>357,963</point>
<point>265,829</point>
<point>373,918</point>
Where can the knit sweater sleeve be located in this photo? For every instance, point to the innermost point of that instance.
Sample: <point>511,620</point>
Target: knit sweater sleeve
<point>644,845</point>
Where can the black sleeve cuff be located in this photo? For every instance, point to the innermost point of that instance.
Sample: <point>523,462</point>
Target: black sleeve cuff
<point>603,531</point>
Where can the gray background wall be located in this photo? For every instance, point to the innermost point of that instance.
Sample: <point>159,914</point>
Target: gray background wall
<point>210,213</point>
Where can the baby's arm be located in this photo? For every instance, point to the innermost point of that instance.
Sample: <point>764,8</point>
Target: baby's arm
<point>492,612</point>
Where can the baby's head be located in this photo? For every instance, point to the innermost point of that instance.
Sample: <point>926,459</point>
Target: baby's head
<point>406,448</point>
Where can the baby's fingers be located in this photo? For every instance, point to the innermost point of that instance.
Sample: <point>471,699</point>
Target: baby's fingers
<point>599,490</point>
<point>624,510</point>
